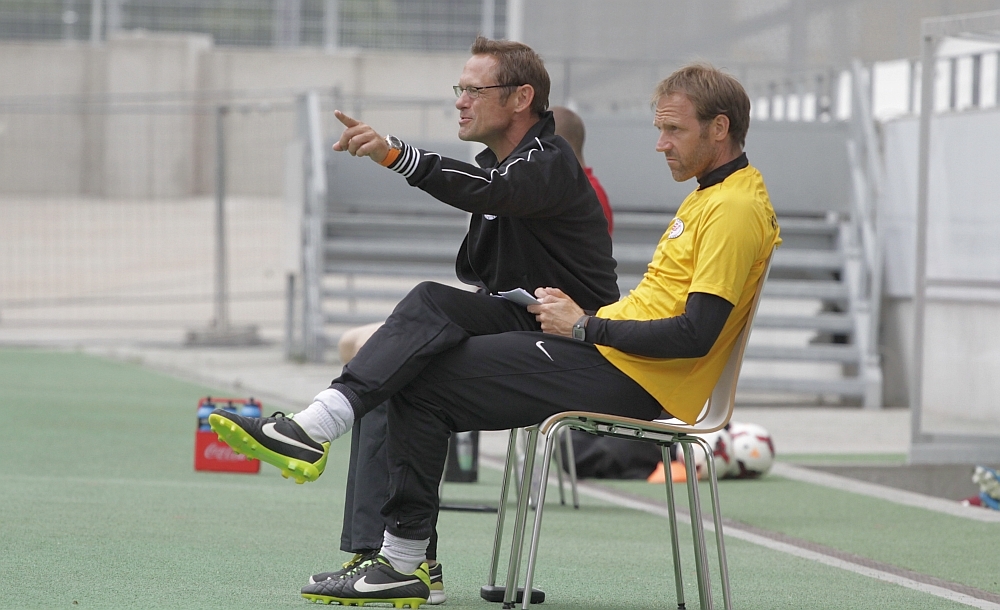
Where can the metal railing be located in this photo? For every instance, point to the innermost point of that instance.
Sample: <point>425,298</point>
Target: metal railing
<point>865,279</point>
<point>109,221</point>
<point>964,81</point>
<point>414,24</point>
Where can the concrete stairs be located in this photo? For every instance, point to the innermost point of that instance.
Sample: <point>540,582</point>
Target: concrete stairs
<point>803,349</point>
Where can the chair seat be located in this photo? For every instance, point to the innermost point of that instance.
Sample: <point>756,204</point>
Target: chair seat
<point>656,429</point>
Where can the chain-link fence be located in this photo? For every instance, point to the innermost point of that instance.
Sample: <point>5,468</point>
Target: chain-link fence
<point>108,226</point>
<point>107,216</point>
<point>432,25</point>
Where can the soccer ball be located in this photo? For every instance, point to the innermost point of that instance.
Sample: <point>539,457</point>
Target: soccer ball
<point>721,443</point>
<point>753,450</point>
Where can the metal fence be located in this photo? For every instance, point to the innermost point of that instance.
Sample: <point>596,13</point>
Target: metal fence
<point>108,216</point>
<point>964,80</point>
<point>432,25</point>
<point>108,209</point>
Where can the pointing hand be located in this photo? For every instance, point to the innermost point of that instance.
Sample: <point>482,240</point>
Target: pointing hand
<point>359,139</point>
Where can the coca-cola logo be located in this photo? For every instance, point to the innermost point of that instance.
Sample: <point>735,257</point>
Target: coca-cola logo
<point>218,451</point>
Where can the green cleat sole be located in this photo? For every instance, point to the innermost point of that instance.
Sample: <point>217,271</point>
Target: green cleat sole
<point>401,602</point>
<point>244,444</point>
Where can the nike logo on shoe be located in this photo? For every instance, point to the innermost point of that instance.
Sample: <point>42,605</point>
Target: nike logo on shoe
<point>269,431</point>
<point>538,344</point>
<point>363,586</point>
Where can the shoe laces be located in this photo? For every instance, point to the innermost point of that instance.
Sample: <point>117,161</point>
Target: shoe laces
<point>352,561</point>
<point>361,562</point>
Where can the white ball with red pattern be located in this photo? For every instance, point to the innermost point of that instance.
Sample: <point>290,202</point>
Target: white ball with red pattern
<point>753,450</point>
<point>721,443</point>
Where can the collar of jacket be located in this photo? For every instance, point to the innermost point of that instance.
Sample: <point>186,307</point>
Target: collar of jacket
<point>546,126</point>
<point>722,172</point>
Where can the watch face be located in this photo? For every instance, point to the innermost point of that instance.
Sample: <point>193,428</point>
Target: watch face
<point>394,142</point>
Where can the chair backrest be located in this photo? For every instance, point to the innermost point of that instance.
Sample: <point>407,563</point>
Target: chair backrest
<point>719,408</point>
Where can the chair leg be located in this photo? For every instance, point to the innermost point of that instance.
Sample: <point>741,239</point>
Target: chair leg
<point>697,528</point>
<point>717,518</point>
<point>509,465</point>
<point>674,539</point>
<point>517,543</point>
<point>551,439</point>
<point>519,464</point>
<point>559,470</point>
<point>571,457</point>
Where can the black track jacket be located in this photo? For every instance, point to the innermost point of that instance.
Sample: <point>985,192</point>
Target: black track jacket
<point>536,220</point>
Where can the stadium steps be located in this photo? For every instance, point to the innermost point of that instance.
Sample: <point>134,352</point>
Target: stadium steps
<point>844,354</point>
<point>823,322</point>
<point>372,258</point>
<point>802,350</point>
<point>827,290</point>
<point>808,299</point>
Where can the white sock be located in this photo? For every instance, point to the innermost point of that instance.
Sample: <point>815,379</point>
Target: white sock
<point>405,556</point>
<point>328,417</point>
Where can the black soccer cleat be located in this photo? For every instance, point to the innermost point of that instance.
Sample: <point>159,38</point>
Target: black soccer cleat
<point>347,568</point>
<point>277,440</point>
<point>437,585</point>
<point>434,572</point>
<point>373,582</point>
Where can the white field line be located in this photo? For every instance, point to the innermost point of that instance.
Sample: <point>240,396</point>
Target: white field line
<point>899,496</point>
<point>660,510</point>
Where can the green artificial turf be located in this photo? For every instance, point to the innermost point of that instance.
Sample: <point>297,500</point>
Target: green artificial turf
<point>928,542</point>
<point>100,507</point>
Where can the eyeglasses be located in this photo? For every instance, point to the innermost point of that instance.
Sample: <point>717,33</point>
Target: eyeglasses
<point>475,91</point>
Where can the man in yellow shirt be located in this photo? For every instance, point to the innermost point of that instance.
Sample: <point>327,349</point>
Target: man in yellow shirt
<point>661,348</point>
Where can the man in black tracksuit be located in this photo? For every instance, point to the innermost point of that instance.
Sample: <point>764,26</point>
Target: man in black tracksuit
<point>535,222</point>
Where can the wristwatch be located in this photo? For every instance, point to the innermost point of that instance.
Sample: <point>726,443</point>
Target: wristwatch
<point>394,142</point>
<point>580,328</point>
<point>395,149</point>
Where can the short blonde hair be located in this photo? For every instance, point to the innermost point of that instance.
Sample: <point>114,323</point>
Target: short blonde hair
<point>712,92</point>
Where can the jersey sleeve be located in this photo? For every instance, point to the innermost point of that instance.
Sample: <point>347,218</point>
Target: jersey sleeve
<point>726,248</point>
<point>528,184</point>
<point>689,335</point>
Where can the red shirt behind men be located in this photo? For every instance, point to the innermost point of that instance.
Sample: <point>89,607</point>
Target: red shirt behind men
<point>603,198</point>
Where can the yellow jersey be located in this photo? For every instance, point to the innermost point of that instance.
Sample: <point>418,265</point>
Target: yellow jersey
<point>718,243</point>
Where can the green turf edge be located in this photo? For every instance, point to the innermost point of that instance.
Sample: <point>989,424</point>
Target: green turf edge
<point>115,516</point>
<point>928,542</point>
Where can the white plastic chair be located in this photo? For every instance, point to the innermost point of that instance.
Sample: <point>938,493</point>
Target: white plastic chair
<point>716,414</point>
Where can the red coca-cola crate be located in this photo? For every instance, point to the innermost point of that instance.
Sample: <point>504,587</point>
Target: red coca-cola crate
<point>214,455</point>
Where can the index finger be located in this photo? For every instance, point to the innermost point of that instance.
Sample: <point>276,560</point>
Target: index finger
<point>346,120</point>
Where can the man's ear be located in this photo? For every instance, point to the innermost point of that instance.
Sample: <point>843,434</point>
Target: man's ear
<point>720,127</point>
<point>523,97</point>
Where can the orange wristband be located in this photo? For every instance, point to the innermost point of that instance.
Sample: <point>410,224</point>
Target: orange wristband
<point>391,157</point>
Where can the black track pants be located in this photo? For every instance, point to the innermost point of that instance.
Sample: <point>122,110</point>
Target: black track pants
<point>431,319</point>
<point>490,382</point>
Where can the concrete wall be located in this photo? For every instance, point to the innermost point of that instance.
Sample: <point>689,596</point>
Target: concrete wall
<point>804,164</point>
<point>961,360</point>
<point>42,152</point>
<point>147,155</point>
<point>146,127</point>
<point>146,145</point>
